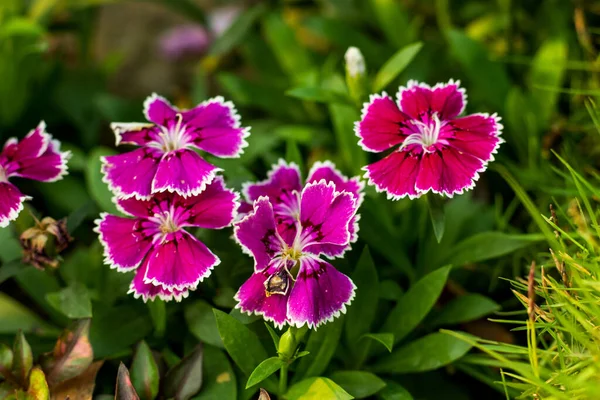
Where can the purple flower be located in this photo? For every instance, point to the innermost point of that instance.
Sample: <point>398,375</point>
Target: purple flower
<point>184,41</point>
<point>291,283</point>
<point>167,160</point>
<point>283,187</point>
<point>433,150</point>
<point>36,157</point>
<point>169,260</point>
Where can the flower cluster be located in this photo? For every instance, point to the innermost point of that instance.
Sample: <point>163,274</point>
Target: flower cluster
<point>432,149</point>
<point>165,186</point>
<point>287,229</point>
<point>38,157</point>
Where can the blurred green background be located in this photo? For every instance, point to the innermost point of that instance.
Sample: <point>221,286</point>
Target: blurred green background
<point>81,64</point>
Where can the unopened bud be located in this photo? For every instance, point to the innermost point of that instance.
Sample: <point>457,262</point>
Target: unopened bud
<point>356,74</point>
<point>287,345</point>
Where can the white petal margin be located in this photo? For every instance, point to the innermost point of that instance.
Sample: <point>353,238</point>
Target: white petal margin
<point>65,156</point>
<point>236,123</point>
<point>281,163</point>
<point>108,258</point>
<point>114,189</point>
<point>150,99</point>
<point>121,127</point>
<point>390,196</point>
<point>186,193</point>
<point>255,312</point>
<point>356,179</point>
<point>365,111</point>
<point>164,297</point>
<point>413,83</point>
<point>13,212</point>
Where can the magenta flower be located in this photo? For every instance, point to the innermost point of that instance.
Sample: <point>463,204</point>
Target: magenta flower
<point>167,160</point>
<point>169,260</point>
<point>283,187</point>
<point>37,156</point>
<point>291,283</point>
<point>432,149</point>
<point>184,41</point>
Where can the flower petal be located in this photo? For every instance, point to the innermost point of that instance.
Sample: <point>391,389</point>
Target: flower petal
<point>11,203</point>
<point>257,234</point>
<point>252,299</point>
<point>325,215</point>
<point>183,172</point>
<point>33,145</point>
<point>214,126</point>
<point>282,180</point>
<point>48,167</point>
<point>477,135</point>
<point>213,208</point>
<point>395,174</point>
<point>326,170</point>
<point>157,109</point>
<point>131,174</point>
<point>135,133</point>
<point>448,172</point>
<point>125,243</point>
<point>380,125</point>
<point>149,291</point>
<point>319,295</point>
<point>179,261</point>
<point>447,99</point>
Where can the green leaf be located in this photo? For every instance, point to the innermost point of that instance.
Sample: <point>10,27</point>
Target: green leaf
<point>38,387</point>
<point>22,358</point>
<point>93,176</point>
<point>415,304</point>
<point>489,79</point>
<point>73,301</point>
<point>394,391</point>
<point>548,70</point>
<point>360,317</point>
<point>202,323</point>
<point>386,339</point>
<point>6,359</point>
<point>17,26</point>
<point>465,308</point>
<point>144,372</point>
<point>359,384</point>
<point>15,317</point>
<point>158,312</point>
<point>184,380</point>
<point>390,15</point>
<point>237,30</point>
<point>292,154</point>
<point>317,389</point>
<point>487,245</point>
<point>435,205</point>
<point>265,369</point>
<point>273,334</point>
<point>321,344</point>
<point>319,95</point>
<point>425,354</point>
<point>219,380</point>
<point>241,343</point>
<point>395,65</point>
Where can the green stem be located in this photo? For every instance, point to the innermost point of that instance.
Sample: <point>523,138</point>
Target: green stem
<point>283,378</point>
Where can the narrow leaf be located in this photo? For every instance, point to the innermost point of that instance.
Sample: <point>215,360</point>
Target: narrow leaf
<point>395,65</point>
<point>124,389</point>
<point>184,380</point>
<point>158,313</point>
<point>435,205</point>
<point>321,344</point>
<point>38,387</point>
<point>317,389</point>
<point>415,304</point>
<point>394,391</point>
<point>465,308</point>
<point>144,372</point>
<point>72,301</point>
<point>425,354</point>
<point>219,381</point>
<point>386,339</point>
<point>201,322</point>
<point>22,358</point>
<point>319,95</point>
<point>359,384</point>
<point>72,353</point>
<point>265,369</point>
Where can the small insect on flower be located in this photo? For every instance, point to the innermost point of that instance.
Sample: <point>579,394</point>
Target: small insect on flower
<point>432,148</point>
<point>166,160</point>
<point>168,260</point>
<point>36,157</point>
<point>42,243</point>
<point>283,187</point>
<point>291,283</point>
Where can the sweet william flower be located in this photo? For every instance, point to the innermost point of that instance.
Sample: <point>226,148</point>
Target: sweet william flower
<point>283,186</point>
<point>37,156</point>
<point>166,160</point>
<point>168,260</point>
<point>432,148</point>
<point>291,283</point>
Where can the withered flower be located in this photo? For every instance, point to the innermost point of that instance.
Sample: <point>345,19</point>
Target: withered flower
<point>43,242</point>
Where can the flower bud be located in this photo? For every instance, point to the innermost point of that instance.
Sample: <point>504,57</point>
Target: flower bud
<point>287,345</point>
<point>356,74</point>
